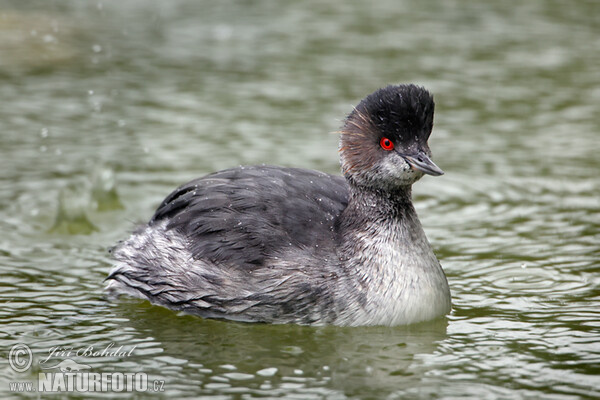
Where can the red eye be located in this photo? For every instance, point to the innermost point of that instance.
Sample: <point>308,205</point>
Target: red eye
<point>386,144</point>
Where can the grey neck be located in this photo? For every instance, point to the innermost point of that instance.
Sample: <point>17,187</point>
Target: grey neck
<point>369,207</point>
<point>383,216</point>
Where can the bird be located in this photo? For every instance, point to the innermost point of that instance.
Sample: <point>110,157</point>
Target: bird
<point>284,245</point>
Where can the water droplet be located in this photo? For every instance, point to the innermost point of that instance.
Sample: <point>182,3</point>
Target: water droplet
<point>48,38</point>
<point>71,218</point>
<point>90,92</point>
<point>44,132</point>
<point>97,48</point>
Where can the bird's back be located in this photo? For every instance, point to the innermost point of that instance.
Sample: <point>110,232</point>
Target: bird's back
<point>241,217</point>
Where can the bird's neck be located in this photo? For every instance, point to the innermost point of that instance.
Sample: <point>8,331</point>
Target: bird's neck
<point>369,208</point>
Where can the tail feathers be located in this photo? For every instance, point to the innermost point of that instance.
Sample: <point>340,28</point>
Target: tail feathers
<point>149,265</point>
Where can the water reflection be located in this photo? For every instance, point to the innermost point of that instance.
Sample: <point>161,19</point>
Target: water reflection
<point>354,361</point>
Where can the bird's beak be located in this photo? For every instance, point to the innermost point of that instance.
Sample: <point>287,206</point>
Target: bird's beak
<point>423,163</point>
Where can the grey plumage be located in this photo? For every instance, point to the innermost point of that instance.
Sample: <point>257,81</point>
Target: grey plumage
<point>287,245</point>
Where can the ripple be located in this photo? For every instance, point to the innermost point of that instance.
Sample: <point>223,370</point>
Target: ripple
<point>96,132</point>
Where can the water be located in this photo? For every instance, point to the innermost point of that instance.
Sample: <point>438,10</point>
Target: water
<point>107,106</point>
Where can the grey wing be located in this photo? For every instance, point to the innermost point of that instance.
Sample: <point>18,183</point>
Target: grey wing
<point>244,216</point>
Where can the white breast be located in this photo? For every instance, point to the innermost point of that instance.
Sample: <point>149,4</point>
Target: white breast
<point>400,277</point>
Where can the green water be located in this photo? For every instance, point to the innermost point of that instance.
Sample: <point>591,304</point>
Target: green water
<point>108,106</point>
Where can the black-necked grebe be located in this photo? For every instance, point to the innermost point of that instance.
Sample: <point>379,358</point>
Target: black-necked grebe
<point>288,245</point>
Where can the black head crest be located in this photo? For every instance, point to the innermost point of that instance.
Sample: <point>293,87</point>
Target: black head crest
<point>401,112</point>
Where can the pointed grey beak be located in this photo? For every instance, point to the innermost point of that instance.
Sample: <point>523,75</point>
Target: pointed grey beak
<point>423,163</point>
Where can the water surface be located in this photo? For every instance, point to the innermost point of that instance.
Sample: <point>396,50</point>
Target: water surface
<point>107,106</point>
